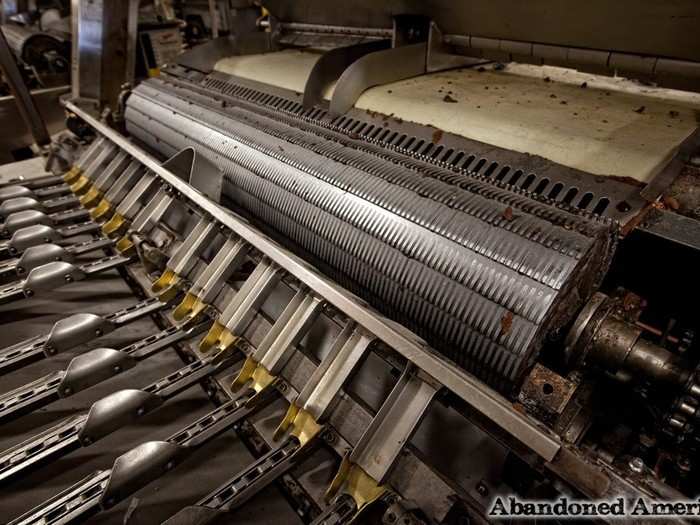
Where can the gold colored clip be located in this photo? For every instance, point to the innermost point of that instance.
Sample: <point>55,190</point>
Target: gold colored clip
<point>114,225</point>
<point>101,211</point>
<point>166,286</point>
<point>303,424</point>
<point>166,280</point>
<point>125,246</point>
<point>72,175</point>
<point>91,198</point>
<point>245,374</point>
<point>358,484</point>
<point>81,185</point>
<point>218,337</point>
<point>190,307</point>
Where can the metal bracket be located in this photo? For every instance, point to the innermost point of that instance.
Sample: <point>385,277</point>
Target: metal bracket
<point>115,411</point>
<point>364,471</point>
<point>273,352</point>
<point>208,285</point>
<point>137,467</point>
<point>332,64</point>
<point>14,191</point>
<point>105,180</point>
<point>239,312</point>
<point>51,276</point>
<point>373,69</point>
<point>198,171</point>
<point>24,219</point>
<point>147,218</point>
<point>118,191</point>
<point>131,204</point>
<point>31,236</point>
<point>184,259</point>
<point>150,460</point>
<point>309,409</point>
<point>17,204</point>
<point>93,367</point>
<point>75,330</point>
<point>36,256</point>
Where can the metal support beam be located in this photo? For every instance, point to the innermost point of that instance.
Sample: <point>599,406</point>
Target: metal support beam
<point>104,49</point>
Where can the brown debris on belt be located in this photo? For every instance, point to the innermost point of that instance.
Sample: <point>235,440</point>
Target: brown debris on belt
<point>508,214</point>
<point>506,322</point>
<point>640,109</point>
<point>448,98</point>
<point>437,135</point>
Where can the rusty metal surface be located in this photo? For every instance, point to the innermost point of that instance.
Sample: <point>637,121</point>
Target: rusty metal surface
<point>545,393</point>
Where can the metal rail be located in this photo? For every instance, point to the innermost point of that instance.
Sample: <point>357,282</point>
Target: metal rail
<point>482,398</point>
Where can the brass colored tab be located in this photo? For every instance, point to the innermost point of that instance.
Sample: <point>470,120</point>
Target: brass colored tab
<point>81,185</point>
<point>304,425</point>
<point>190,307</point>
<point>72,175</point>
<point>91,198</point>
<point>125,246</point>
<point>166,280</point>
<point>305,428</point>
<point>114,226</point>
<point>219,337</point>
<point>212,338</point>
<point>358,484</point>
<point>245,374</point>
<point>287,421</point>
<point>101,211</point>
<point>166,286</point>
<point>262,378</point>
<point>262,383</point>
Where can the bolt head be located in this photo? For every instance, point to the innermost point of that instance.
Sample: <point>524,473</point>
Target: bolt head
<point>482,489</point>
<point>636,465</point>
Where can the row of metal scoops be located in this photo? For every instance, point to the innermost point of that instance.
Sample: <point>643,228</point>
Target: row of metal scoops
<point>211,284</point>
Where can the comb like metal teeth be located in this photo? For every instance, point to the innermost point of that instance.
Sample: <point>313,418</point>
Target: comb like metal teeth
<point>480,271</point>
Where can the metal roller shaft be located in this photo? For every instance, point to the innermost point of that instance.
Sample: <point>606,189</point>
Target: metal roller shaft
<point>480,271</point>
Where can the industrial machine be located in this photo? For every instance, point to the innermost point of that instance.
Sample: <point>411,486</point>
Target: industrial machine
<point>308,210</point>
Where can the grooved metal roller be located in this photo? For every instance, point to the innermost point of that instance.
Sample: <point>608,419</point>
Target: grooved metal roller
<point>483,272</point>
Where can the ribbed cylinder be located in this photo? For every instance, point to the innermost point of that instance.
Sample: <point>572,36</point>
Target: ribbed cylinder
<point>481,272</point>
<point>29,45</point>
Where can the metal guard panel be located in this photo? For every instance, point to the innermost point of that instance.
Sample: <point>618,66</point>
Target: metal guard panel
<point>137,467</point>
<point>89,369</point>
<point>115,411</point>
<point>77,329</point>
